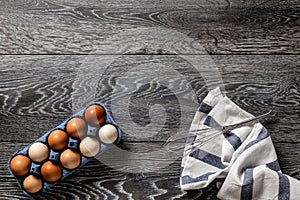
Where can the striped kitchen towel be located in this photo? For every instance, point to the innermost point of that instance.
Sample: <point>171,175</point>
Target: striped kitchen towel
<point>243,163</point>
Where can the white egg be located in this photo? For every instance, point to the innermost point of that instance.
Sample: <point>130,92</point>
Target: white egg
<point>108,134</point>
<point>89,147</point>
<point>38,152</point>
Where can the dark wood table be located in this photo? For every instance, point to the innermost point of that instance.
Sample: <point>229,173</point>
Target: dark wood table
<point>58,55</point>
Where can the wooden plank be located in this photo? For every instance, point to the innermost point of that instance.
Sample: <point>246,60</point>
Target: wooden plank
<point>96,180</point>
<point>156,4</point>
<point>221,27</point>
<point>39,92</point>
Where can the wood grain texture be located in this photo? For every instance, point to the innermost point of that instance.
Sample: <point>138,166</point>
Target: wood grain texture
<point>42,89</point>
<point>98,181</point>
<point>155,4</point>
<point>162,77</point>
<point>38,92</point>
<point>221,27</point>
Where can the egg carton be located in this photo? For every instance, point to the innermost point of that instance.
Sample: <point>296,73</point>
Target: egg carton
<point>54,156</point>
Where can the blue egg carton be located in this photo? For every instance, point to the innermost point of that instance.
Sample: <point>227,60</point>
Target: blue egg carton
<point>72,144</point>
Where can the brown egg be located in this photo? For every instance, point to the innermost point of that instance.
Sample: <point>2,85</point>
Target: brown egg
<point>20,165</point>
<point>32,184</point>
<point>95,115</point>
<point>70,159</point>
<point>108,134</point>
<point>51,172</point>
<point>89,146</point>
<point>76,127</point>
<point>38,152</point>
<point>58,140</point>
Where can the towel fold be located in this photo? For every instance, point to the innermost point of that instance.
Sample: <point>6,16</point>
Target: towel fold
<point>243,162</point>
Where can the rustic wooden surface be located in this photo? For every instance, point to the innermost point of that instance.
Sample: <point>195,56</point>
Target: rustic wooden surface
<point>221,26</point>
<point>44,46</point>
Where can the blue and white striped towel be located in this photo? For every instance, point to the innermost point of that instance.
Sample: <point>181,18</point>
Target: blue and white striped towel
<point>243,163</point>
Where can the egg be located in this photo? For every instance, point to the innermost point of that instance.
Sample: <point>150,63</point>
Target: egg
<point>89,146</point>
<point>20,165</point>
<point>58,140</point>
<point>108,134</point>
<point>32,184</point>
<point>70,159</point>
<point>95,115</point>
<point>51,172</point>
<point>38,152</point>
<point>76,127</point>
